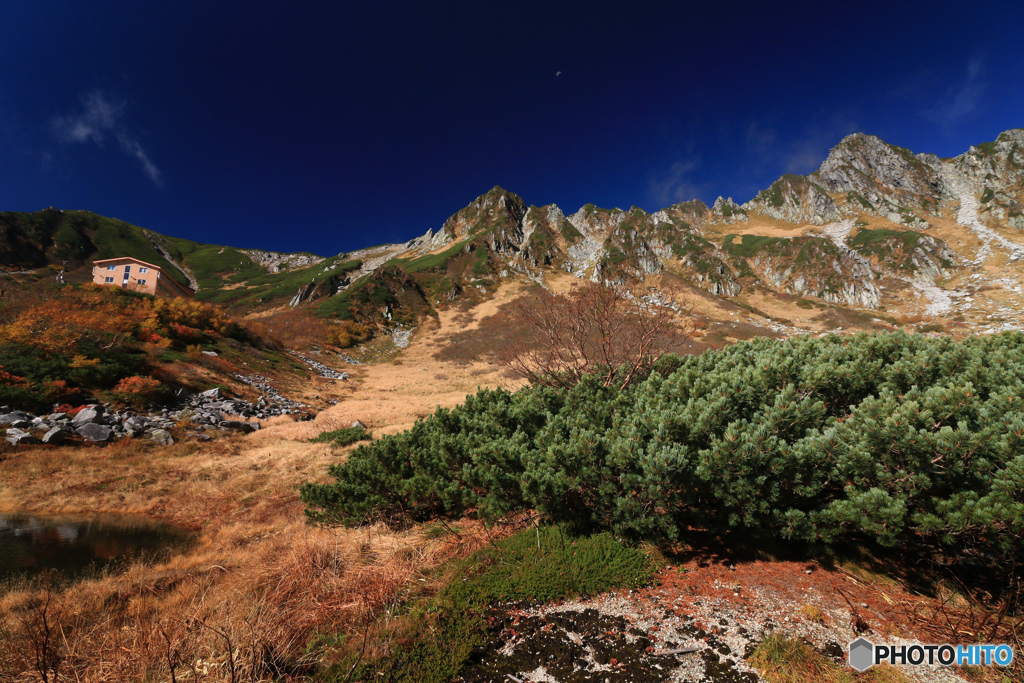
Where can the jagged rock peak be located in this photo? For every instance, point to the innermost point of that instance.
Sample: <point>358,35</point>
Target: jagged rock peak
<point>495,208</point>
<point>1011,136</point>
<point>725,207</point>
<point>867,165</point>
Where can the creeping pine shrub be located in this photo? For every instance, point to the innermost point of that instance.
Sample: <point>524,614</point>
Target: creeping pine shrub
<point>903,438</point>
<point>343,437</point>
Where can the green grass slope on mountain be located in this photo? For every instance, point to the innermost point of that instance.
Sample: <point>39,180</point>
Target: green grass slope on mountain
<point>52,237</point>
<point>784,260</point>
<point>129,240</point>
<point>898,248</point>
<point>40,238</point>
<point>213,265</point>
<point>263,288</point>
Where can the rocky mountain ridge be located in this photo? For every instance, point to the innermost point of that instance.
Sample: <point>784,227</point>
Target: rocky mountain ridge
<point>856,222</point>
<point>875,226</point>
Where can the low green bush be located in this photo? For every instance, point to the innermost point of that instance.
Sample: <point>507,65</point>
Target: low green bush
<point>343,437</point>
<point>908,440</point>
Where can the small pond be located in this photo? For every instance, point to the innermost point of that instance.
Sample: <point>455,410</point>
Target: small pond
<point>74,545</point>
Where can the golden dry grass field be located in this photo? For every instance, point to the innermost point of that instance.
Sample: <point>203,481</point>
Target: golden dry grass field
<point>250,599</point>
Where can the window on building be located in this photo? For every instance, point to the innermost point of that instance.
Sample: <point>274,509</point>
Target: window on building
<point>142,282</point>
<point>108,279</point>
<point>143,270</point>
<point>127,268</point>
<point>111,267</point>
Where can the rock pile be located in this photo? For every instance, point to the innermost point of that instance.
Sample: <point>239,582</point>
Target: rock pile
<point>321,369</point>
<point>94,423</point>
<point>208,409</point>
<point>277,404</point>
<point>100,423</point>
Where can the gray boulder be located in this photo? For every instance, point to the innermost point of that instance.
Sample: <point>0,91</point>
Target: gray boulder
<point>15,416</point>
<point>236,425</point>
<point>212,393</point>
<point>56,435</point>
<point>88,415</point>
<point>135,425</point>
<point>162,437</point>
<point>90,431</point>
<point>17,437</point>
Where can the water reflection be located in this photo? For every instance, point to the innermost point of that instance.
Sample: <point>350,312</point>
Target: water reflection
<point>74,544</point>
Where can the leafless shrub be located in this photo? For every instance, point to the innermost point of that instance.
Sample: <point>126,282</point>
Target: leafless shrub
<point>612,331</point>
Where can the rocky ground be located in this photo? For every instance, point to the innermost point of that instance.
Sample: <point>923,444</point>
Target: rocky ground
<point>699,622</point>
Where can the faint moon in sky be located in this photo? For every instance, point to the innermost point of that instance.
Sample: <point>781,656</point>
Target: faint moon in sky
<point>558,73</point>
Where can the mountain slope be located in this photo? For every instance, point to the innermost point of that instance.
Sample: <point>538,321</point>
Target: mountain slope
<point>54,239</point>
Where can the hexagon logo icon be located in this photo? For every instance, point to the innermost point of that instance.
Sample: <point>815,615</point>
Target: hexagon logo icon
<point>862,654</point>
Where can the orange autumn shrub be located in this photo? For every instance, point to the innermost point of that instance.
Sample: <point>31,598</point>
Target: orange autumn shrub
<point>137,391</point>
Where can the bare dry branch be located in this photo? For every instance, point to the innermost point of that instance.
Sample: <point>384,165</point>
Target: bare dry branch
<point>612,331</point>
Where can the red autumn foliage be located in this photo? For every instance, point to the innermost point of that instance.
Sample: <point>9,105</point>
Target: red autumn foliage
<point>68,409</point>
<point>9,380</point>
<point>185,333</point>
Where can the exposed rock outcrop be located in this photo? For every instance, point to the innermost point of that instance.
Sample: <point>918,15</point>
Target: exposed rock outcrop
<point>794,199</point>
<point>275,262</point>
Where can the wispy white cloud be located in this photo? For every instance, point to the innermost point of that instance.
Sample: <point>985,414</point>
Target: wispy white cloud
<point>761,140</point>
<point>800,153</point>
<point>806,154</point>
<point>103,117</point>
<point>962,98</point>
<point>674,185</point>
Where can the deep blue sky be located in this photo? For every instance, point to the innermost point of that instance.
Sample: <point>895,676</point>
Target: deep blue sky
<point>326,126</point>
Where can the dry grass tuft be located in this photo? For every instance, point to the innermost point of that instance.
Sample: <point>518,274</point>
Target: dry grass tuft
<point>783,660</point>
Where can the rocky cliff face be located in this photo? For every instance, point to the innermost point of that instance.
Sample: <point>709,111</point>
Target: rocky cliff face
<point>881,178</point>
<point>794,199</point>
<point>995,172</point>
<point>495,210</point>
